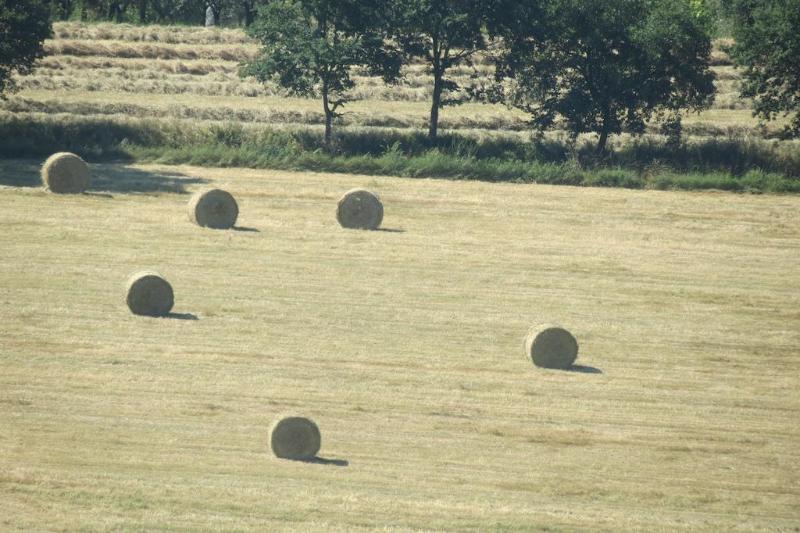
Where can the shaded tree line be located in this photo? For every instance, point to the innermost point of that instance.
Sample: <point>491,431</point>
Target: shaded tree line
<point>767,37</point>
<point>602,66</point>
<point>156,11</point>
<point>589,66</point>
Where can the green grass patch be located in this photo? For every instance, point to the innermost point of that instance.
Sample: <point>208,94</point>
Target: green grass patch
<point>726,164</point>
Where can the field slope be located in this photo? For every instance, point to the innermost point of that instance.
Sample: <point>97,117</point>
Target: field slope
<point>405,346</point>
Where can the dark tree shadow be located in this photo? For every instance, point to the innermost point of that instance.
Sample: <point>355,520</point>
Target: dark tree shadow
<point>20,173</point>
<point>246,230</point>
<point>124,179</point>
<point>106,178</point>
<point>181,316</point>
<point>391,230</point>
<point>584,369</point>
<point>323,461</point>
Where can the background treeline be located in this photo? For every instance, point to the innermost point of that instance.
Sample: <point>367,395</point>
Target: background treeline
<point>243,12</point>
<point>229,12</point>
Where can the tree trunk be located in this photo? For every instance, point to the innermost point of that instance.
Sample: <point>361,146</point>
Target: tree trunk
<point>604,129</point>
<point>65,8</point>
<point>113,10</point>
<point>249,13</point>
<point>159,10</point>
<point>142,11</point>
<point>328,116</point>
<point>438,86</point>
<point>328,130</point>
<point>601,144</point>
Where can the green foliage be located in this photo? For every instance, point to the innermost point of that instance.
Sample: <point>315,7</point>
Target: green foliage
<point>186,11</point>
<point>160,11</point>
<point>311,46</point>
<point>443,33</point>
<point>608,66</point>
<point>23,28</point>
<point>699,8</point>
<point>767,35</point>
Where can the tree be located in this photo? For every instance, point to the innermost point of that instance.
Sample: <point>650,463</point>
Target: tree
<point>116,9</point>
<point>185,11</point>
<point>63,8</point>
<point>23,28</point>
<point>608,65</point>
<point>162,11</point>
<point>248,11</point>
<point>443,33</point>
<point>767,36</point>
<point>311,46</point>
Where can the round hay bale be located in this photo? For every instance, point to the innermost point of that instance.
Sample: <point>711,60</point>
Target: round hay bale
<point>213,209</point>
<point>551,347</point>
<point>360,209</point>
<point>149,294</point>
<point>295,437</point>
<point>65,173</point>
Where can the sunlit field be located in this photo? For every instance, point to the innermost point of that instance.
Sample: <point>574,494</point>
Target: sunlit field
<point>405,346</point>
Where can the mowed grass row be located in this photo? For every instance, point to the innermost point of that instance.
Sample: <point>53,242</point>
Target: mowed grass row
<point>270,110</point>
<point>151,33</point>
<point>167,78</point>
<point>406,347</point>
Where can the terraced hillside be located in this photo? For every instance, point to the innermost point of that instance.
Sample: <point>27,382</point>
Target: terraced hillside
<point>168,73</point>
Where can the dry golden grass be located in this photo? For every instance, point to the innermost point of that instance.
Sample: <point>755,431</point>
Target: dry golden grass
<point>147,67</point>
<point>487,119</point>
<point>150,33</point>
<point>406,348</point>
<point>132,49</point>
<point>216,77</point>
<point>266,109</point>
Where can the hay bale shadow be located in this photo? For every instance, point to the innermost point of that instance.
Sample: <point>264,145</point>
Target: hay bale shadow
<point>583,369</point>
<point>181,316</point>
<point>391,230</point>
<point>105,178</point>
<point>246,230</point>
<point>323,461</point>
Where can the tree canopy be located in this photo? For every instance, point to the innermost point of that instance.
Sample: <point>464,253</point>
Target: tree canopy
<point>767,37</point>
<point>443,33</point>
<point>606,66</point>
<point>158,11</point>
<point>23,28</point>
<point>311,46</point>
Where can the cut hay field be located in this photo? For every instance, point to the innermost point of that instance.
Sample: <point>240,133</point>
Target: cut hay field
<point>405,346</point>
